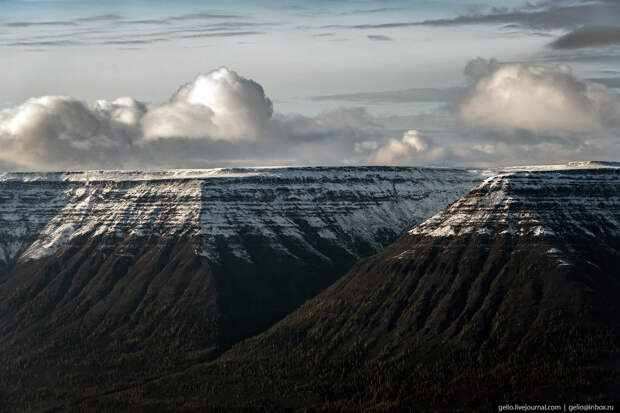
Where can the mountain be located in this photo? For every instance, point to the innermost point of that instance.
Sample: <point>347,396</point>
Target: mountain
<point>509,295</point>
<point>109,278</point>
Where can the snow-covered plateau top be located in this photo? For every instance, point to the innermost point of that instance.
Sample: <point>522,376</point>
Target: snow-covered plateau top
<point>215,173</point>
<point>40,213</point>
<point>346,206</point>
<point>545,202</point>
<point>291,172</point>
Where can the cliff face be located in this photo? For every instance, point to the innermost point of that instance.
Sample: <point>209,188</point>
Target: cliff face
<point>510,293</point>
<point>135,273</point>
<point>41,213</point>
<point>124,291</point>
<point>514,259</point>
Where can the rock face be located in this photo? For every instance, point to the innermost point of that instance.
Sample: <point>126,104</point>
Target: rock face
<point>502,267</point>
<point>510,293</point>
<point>132,274</point>
<point>40,213</point>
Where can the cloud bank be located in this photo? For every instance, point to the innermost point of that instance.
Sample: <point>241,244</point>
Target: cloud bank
<point>589,36</point>
<point>542,15</point>
<point>218,119</point>
<point>57,131</point>
<point>507,114</point>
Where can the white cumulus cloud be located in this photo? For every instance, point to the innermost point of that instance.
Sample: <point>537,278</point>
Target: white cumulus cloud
<point>535,98</point>
<point>46,130</point>
<point>219,105</point>
<point>218,119</point>
<point>407,149</point>
<point>513,114</point>
<point>53,132</point>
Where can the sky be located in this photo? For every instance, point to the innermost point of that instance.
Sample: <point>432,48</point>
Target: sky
<point>200,84</point>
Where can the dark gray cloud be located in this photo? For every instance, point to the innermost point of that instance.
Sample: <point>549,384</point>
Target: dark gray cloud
<point>220,34</point>
<point>145,22</point>
<point>205,16</point>
<point>552,56</point>
<point>613,82</point>
<point>40,23</point>
<point>102,30</point>
<point>116,29</point>
<point>100,18</point>
<point>177,32</point>
<point>130,42</point>
<point>550,15</point>
<point>449,94</point>
<point>589,36</point>
<point>119,19</point>
<point>109,17</point>
<point>370,11</point>
<point>589,23</point>
<point>379,37</point>
<point>43,43</point>
<point>292,7</point>
<point>147,40</point>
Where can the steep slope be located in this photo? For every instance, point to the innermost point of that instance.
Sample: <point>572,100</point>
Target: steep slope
<point>511,294</point>
<point>118,277</point>
<point>26,206</point>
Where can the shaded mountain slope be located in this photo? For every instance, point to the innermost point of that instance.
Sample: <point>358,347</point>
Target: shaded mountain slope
<point>511,294</point>
<point>125,276</point>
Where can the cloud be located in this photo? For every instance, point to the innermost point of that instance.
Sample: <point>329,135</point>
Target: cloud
<point>145,22</point>
<point>448,94</point>
<point>223,119</point>
<point>220,34</point>
<point>218,119</point>
<point>404,150</point>
<point>62,132</point>
<point>535,100</point>
<point>58,131</point>
<point>219,105</point>
<point>378,37</point>
<point>44,43</point>
<point>371,11</point>
<point>365,146</point>
<point>589,36</point>
<point>205,16</point>
<point>39,23</point>
<point>612,82</point>
<point>133,42</point>
<point>98,29</point>
<point>100,18</point>
<point>545,15</point>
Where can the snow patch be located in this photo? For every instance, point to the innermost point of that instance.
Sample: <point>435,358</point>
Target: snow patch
<point>311,207</point>
<point>50,243</point>
<point>540,203</point>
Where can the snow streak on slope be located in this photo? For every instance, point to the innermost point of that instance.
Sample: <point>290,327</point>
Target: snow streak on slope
<point>42,212</point>
<point>123,208</point>
<point>25,208</point>
<point>538,203</point>
<point>344,206</point>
